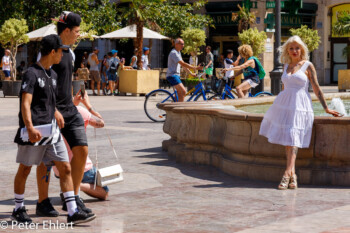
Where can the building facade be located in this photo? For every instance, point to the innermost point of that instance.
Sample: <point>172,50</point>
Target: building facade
<point>316,14</point>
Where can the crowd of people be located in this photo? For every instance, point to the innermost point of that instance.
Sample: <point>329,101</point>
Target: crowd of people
<point>107,70</point>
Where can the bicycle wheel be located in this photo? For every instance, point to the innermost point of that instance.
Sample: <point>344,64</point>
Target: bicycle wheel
<point>208,95</point>
<point>263,93</point>
<point>152,102</point>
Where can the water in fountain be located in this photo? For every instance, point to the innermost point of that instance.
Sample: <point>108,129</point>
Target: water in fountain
<point>338,105</point>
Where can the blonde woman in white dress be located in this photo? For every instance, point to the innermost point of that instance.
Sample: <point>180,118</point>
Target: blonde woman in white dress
<point>289,120</point>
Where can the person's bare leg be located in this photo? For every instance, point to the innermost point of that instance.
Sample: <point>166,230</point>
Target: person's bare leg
<point>116,86</point>
<point>99,192</point>
<point>93,86</point>
<point>78,164</point>
<point>98,87</point>
<point>43,186</point>
<point>21,178</point>
<point>242,89</point>
<point>181,92</point>
<point>111,86</point>
<point>291,154</point>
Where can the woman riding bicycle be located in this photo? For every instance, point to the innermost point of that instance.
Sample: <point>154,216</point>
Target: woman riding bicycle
<point>249,69</point>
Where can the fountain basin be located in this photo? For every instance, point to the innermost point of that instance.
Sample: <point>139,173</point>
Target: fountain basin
<point>209,133</point>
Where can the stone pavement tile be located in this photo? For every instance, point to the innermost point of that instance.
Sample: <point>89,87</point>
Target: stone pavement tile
<point>159,195</point>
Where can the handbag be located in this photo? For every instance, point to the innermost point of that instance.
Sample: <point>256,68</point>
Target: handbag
<point>107,175</point>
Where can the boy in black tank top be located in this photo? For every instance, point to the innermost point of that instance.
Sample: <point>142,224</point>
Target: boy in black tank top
<point>72,127</point>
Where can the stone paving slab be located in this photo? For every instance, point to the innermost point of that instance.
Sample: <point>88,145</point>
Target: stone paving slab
<point>159,195</point>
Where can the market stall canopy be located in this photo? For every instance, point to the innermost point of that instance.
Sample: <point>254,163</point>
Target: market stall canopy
<point>130,32</point>
<point>38,34</point>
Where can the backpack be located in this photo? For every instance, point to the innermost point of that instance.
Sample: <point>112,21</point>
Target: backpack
<point>113,68</point>
<point>261,71</point>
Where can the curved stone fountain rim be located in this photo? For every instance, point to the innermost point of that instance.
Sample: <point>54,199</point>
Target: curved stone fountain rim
<point>208,108</point>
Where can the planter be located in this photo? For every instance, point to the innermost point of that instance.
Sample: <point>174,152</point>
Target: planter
<point>76,84</point>
<point>138,81</point>
<point>11,88</point>
<point>343,80</point>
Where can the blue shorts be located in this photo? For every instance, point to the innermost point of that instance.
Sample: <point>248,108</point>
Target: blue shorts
<point>89,177</point>
<point>112,77</point>
<point>174,79</point>
<point>7,73</point>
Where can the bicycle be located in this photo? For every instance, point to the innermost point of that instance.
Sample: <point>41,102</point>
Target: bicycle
<point>229,93</point>
<point>160,96</point>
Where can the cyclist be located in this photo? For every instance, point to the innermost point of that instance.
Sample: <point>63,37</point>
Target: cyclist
<point>249,69</point>
<point>174,63</point>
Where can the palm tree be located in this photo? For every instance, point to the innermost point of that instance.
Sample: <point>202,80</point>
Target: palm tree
<point>244,17</point>
<point>139,12</point>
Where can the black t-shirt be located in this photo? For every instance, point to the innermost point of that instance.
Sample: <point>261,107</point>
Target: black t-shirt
<point>44,90</point>
<point>64,70</point>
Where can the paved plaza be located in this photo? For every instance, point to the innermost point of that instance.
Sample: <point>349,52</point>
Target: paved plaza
<point>159,195</point>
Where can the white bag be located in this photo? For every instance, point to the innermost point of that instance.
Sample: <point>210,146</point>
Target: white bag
<point>108,175</point>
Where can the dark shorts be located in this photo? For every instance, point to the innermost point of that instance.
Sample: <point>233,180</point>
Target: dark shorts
<point>89,177</point>
<point>74,131</point>
<point>112,77</point>
<point>7,73</point>
<point>174,80</point>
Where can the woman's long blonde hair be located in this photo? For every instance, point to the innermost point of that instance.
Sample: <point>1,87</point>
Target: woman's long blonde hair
<point>285,58</point>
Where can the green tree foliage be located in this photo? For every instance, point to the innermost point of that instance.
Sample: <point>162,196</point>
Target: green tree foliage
<point>172,18</point>
<point>308,36</point>
<point>12,34</point>
<point>38,13</point>
<point>193,38</point>
<point>342,26</point>
<point>244,17</point>
<point>255,39</point>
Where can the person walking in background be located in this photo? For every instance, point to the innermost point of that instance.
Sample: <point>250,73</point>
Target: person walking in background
<point>289,120</point>
<point>104,77</point>
<point>112,71</point>
<point>144,58</point>
<point>94,73</point>
<point>209,62</point>
<point>6,64</point>
<point>133,61</point>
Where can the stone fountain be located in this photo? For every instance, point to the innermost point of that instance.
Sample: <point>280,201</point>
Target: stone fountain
<point>208,133</point>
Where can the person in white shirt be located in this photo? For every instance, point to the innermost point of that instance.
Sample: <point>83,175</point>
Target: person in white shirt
<point>6,65</point>
<point>229,64</point>
<point>144,58</point>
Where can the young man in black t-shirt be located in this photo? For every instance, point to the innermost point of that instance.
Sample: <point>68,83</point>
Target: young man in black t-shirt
<point>72,124</point>
<point>38,137</point>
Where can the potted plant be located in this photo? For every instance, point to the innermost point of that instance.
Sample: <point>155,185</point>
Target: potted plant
<point>194,38</point>
<point>13,34</point>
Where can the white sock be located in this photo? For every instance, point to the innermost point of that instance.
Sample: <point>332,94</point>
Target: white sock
<point>19,201</point>
<point>69,198</point>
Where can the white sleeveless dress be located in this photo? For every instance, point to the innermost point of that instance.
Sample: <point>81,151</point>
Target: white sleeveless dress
<point>289,120</point>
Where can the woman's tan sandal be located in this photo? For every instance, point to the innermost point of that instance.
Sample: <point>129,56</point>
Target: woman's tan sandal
<point>284,183</point>
<point>293,182</point>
